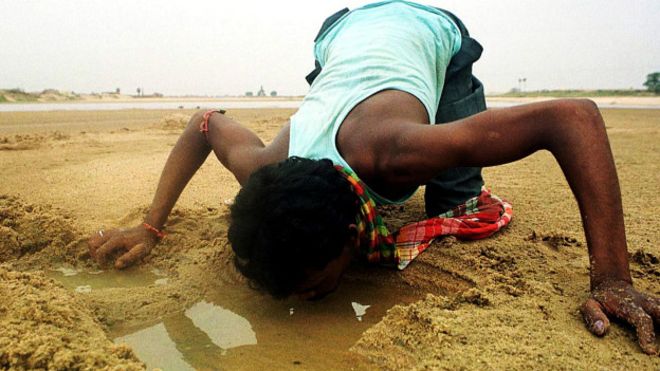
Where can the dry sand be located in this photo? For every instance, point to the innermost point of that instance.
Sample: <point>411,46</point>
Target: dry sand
<point>508,302</point>
<point>612,102</point>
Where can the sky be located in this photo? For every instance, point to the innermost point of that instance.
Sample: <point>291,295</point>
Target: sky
<point>229,47</point>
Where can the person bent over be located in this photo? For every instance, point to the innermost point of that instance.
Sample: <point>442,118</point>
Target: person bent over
<point>393,105</point>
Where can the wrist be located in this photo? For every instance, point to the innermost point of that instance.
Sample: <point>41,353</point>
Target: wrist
<point>609,265</point>
<point>155,218</point>
<point>605,279</point>
<point>158,233</point>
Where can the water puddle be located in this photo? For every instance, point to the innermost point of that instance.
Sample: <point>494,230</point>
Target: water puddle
<point>237,328</point>
<point>85,281</point>
<point>154,346</point>
<point>225,328</point>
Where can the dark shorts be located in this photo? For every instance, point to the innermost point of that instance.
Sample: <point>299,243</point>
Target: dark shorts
<point>462,96</point>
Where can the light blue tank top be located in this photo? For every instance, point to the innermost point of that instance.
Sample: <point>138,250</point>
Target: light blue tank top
<point>387,45</point>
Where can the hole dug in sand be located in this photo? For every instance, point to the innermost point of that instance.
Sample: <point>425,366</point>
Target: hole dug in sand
<point>181,308</point>
<point>235,327</point>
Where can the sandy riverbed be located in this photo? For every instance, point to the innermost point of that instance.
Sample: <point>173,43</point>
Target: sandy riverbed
<point>610,102</point>
<point>508,302</point>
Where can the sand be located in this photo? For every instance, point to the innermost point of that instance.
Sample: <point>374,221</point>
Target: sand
<point>45,327</point>
<point>508,302</point>
<point>612,102</point>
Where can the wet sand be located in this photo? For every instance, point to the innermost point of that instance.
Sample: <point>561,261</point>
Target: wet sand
<point>508,302</point>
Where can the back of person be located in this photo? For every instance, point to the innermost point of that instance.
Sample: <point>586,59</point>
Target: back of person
<point>388,45</point>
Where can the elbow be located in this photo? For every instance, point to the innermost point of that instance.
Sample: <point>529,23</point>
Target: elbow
<point>396,169</point>
<point>571,119</point>
<point>195,120</point>
<point>577,111</point>
<point>405,161</point>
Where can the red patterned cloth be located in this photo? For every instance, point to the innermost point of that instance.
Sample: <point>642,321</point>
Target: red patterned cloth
<point>479,217</point>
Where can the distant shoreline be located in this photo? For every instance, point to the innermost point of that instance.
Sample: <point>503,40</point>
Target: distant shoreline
<point>233,104</point>
<point>54,98</point>
<point>130,99</point>
<point>16,96</point>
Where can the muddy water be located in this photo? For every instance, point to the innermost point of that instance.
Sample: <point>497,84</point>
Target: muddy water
<point>237,328</point>
<point>85,281</point>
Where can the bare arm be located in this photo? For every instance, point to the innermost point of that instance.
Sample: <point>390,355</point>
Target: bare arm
<point>574,132</point>
<point>239,149</point>
<point>188,154</point>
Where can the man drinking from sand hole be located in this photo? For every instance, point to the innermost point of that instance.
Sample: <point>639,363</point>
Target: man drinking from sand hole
<point>393,105</point>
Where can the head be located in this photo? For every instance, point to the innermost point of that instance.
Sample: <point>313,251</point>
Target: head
<point>293,227</point>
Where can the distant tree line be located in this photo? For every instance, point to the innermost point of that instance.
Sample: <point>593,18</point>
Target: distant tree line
<point>652,82</point>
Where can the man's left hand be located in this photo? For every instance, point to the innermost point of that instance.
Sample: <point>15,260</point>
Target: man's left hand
<point>619,299</point>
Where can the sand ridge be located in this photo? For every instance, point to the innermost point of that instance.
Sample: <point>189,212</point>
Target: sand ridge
<point>47,327</point>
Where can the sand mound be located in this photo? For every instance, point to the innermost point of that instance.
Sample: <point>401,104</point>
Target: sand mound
<point>174,121</point>
<point>20,142</point>
<point>45,327</point>
<point>60,323</point>
<point>36,236</point>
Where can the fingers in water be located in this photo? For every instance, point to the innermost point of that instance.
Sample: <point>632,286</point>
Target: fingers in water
<point>133,255</point>
<point>108,248</point>
<point>99,238</point>
<point>596,320</point>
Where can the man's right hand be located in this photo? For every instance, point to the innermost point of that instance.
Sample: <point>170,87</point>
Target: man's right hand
<point>135,243</point>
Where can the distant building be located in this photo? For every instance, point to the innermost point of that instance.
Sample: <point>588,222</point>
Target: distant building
<point>249,94</point>
<point>261,92</point>
<point>273,93</point>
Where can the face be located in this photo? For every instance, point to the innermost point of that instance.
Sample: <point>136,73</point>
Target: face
<point>320,283</point>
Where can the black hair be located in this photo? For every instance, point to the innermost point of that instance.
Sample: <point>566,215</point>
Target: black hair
<point>288,218</point>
